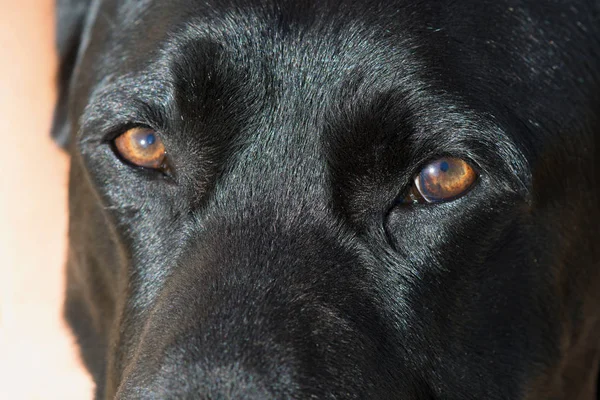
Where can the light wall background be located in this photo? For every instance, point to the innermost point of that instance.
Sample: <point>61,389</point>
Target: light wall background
<point>38,359</point>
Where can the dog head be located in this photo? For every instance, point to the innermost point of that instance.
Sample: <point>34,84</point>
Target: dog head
<point>333,199</point>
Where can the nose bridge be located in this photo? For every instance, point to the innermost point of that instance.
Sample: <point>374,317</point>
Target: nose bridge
<point>255,314</point>
<point>282,166</point>
<point>269,277</point>
<point>280,159</point>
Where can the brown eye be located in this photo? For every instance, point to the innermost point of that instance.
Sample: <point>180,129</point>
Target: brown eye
<point>442,180</point>
<point>142,147</point>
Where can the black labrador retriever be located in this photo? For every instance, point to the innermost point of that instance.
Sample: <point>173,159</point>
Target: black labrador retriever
<point>333,199</point>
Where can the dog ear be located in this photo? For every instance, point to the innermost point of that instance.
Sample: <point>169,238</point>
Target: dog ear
<point>70,21</point>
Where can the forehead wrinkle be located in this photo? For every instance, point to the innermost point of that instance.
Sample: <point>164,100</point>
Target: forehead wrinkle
<point>305,67</point>
<point>316,54</point>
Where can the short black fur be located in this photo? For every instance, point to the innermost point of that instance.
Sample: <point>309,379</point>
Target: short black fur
<point>274,260</point>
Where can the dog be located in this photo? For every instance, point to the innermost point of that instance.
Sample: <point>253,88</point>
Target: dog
<point>333,199</point>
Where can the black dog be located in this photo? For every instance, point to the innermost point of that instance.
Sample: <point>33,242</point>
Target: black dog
<point>333,199</point>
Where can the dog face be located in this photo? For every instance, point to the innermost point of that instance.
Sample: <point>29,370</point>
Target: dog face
<point>333,199</point>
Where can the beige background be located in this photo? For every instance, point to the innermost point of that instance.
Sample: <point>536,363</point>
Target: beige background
<point>38,359</point>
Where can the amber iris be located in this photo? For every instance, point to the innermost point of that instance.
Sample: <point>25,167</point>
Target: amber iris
<point>442,180</point>
<point>142,147</point>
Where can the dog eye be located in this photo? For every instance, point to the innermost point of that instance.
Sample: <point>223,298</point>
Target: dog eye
<point>142,147</point>
<point>442,180</point>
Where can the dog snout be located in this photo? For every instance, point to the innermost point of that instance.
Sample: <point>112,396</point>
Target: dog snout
<point>287,320</point>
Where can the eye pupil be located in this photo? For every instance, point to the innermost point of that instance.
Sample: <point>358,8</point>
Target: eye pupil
<point>444,166</point>
<point>148,140</point>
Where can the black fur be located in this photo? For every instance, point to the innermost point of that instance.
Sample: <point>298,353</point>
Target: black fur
<point>276,261</point>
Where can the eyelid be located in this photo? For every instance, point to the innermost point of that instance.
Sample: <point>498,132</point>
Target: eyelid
<point>118,129</point>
